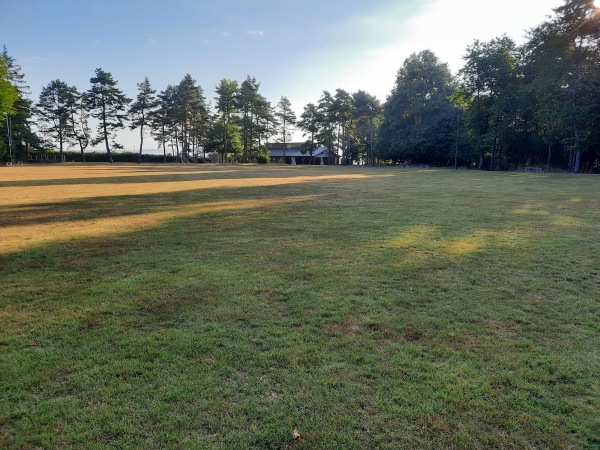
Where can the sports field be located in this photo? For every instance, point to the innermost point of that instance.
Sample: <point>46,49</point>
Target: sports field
<point>228,306</point>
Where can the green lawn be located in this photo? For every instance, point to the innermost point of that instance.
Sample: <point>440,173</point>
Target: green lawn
<point>222,307</point>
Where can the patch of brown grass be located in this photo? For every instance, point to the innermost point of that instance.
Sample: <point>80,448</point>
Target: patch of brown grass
<point>56,193</point>
<point>19,237</point>
<point>350,326</point>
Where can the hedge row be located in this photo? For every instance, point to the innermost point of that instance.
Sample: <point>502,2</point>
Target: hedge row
<point>121,157</point>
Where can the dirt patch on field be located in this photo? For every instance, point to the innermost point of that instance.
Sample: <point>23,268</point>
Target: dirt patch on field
<point>501,327</point>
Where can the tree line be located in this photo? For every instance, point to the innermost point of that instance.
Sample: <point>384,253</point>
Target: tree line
<point>509,106</point>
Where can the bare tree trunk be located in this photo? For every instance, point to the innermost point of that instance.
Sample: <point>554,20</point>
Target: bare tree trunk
<point>141,143</point>
<point>105,131</point>
<point>9,130</point>
<point>164,141</point>
<point>348,159</point>
<point>577,165</point>
<point>81,148</point>
<point>284,144</point>
<point>493,153</point>
<point>225,121</point>
<point>549,154</point>
<point>571,159</point>
<point>60,144</point>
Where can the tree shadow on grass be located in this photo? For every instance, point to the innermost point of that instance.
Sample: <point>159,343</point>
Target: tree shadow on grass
<point>134,174</point>
<point>389,311</point>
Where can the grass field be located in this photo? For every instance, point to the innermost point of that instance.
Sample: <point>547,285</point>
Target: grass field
<point>222,307</point>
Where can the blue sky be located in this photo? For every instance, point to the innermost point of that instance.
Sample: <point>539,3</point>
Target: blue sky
<point>293,48</point>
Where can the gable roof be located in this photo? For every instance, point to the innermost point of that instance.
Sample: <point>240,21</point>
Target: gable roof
<point>288,145</point>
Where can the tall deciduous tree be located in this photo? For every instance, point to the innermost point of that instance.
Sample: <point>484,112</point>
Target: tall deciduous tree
<point>8,97</point>
<point>107,104</point>
<point>215,142</point>
<point>489,78</point>
<point>141,109</point>
<point>15,131</point>
<point>418,115</point>
<point>8,93</point>
<point>563,56</point>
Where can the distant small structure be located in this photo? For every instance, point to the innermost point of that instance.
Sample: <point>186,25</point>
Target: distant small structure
<point>533,170</point>
<point>296,153</point>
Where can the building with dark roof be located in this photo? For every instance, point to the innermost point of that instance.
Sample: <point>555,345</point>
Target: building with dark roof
<point>299,153</point>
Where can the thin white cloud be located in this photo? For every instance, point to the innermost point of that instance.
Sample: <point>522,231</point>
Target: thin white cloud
<point>35,59</point>
<point>256,33</point>
<point>152,41</point>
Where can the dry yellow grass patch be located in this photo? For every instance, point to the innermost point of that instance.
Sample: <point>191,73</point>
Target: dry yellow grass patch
<point>56,192</point>
<point>460,248</point>
<point>19,237</point>
<point>34,207</point>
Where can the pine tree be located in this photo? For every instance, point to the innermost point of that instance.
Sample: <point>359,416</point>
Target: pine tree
<point>141,109</point>
<point>78,120</point>
<point>54,109</point>
<point>227,92</point>
<point>287,120</point>
<point>107,104</point>
<point>191,113</point>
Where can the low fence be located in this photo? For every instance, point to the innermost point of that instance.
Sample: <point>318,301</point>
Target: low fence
<point>46,159</point>
<point>118,157</point>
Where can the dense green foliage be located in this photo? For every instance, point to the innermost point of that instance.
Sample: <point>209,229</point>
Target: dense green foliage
<point>516,106</point>
<point>419,124</point>
<point>16,135</point>
<point>107,103</point>
<point>8,92</point>
<point>563,74</point>
<point>538,104</point>
<point>141,110</point>
<point>54,110</point>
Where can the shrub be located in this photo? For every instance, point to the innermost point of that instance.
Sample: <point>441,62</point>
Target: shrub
<point>263,159</point>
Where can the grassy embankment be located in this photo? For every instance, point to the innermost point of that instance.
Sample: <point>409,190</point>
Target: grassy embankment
<point>224,306</point>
